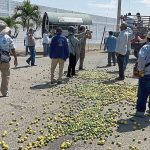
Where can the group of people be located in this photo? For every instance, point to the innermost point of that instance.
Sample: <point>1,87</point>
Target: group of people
<point>73,47</point>
<point>120,47</point>
<point>59,50</point>
<point>133,20</point>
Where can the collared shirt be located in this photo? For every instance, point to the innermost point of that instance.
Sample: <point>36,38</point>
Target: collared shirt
<point>144,58</point>
<point>6,42</point>
<point>122,43</point>
<point>30,40</point>
<point>111,43</point>
<point>73,43</point>
<point>46,39</point>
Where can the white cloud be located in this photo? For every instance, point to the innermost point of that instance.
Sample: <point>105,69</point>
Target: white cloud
<point>110,5</point>
<point>146,2</point>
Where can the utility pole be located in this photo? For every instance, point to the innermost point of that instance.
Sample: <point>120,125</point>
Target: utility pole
<point>118,15</point>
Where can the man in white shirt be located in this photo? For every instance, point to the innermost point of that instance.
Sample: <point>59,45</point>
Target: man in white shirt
<point>121,50</point>
<point>46,41</point>
<point>6,46</point>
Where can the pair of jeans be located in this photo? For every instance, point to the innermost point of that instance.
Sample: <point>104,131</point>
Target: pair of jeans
<point>111,56</point>
<point>72,65</point>
<point>32,55</point>
<point>143,93</point>
<point>120,60</point>
<point>45,49</point>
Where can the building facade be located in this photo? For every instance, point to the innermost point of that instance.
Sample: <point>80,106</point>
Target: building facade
<point>7,8</point>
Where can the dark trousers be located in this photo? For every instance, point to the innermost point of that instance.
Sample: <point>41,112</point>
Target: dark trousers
<point>126,59</point>
<point>72,65</point>
<point>26,50</point>
<point>120,60</point>
<point>111,56</point>
<point>143,93</point>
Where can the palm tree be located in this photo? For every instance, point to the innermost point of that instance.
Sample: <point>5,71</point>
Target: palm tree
<point>12,23</point>
<point>29,15</point>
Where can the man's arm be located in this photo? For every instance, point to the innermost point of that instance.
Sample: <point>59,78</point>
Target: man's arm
<point>13,52</point>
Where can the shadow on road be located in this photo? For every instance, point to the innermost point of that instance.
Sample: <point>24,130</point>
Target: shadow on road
<point>49,85</point>
<point>113,72</point>
<point>103,66</point>
<point>27,66</point>
<point>134,123</point>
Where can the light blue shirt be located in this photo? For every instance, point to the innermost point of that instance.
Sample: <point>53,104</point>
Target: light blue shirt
<point>122,43</point>
<point>144,58</point>
<point>6,42</point>
<point>111,43</point>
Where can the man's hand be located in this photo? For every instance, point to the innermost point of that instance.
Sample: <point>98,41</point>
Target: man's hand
<point>141,73</point>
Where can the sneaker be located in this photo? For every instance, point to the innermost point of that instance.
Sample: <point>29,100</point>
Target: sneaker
<point>68,75</point>
<point>119,78</point>
<point>53,81</point>
<point>28,62</point>
<point>80,68</point>
<point>6,95</point>
<point>139,114</point>
<point>108,65</point>
<point>34,65</point>
<point>59,82</point>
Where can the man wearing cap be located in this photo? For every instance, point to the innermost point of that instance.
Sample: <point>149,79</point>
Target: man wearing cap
<point>59,52</point>
<point>144,79</point>
<point>121,50</point>
<point>73,44</point>
<point>82,36</point>
<point>6,46</point>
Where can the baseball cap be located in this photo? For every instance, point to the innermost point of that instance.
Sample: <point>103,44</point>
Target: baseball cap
<point>4,28</point>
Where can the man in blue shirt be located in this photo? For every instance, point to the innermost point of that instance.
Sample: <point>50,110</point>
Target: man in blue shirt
<point>111,46</point>
<point>144,78</point>
<point>59,52</point>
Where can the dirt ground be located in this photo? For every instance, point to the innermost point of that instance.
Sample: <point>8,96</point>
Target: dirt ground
<point>30,92</point>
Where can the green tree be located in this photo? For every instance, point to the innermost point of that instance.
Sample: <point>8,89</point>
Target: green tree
<point>29,15</point>
<point>12,23</point>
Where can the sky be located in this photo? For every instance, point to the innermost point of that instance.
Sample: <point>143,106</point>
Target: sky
<point>107,8</point>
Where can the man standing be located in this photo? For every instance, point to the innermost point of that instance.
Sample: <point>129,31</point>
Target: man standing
<point>121,50</point>
<point>31,45</point>
<point>46,41</point>
<point>130,37</point>
<point>111,46</point>
<point>83,35</point>
<point>6,46</point>
<point>73,43</point>
<point>59,52</point>
<point>144,79</point>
